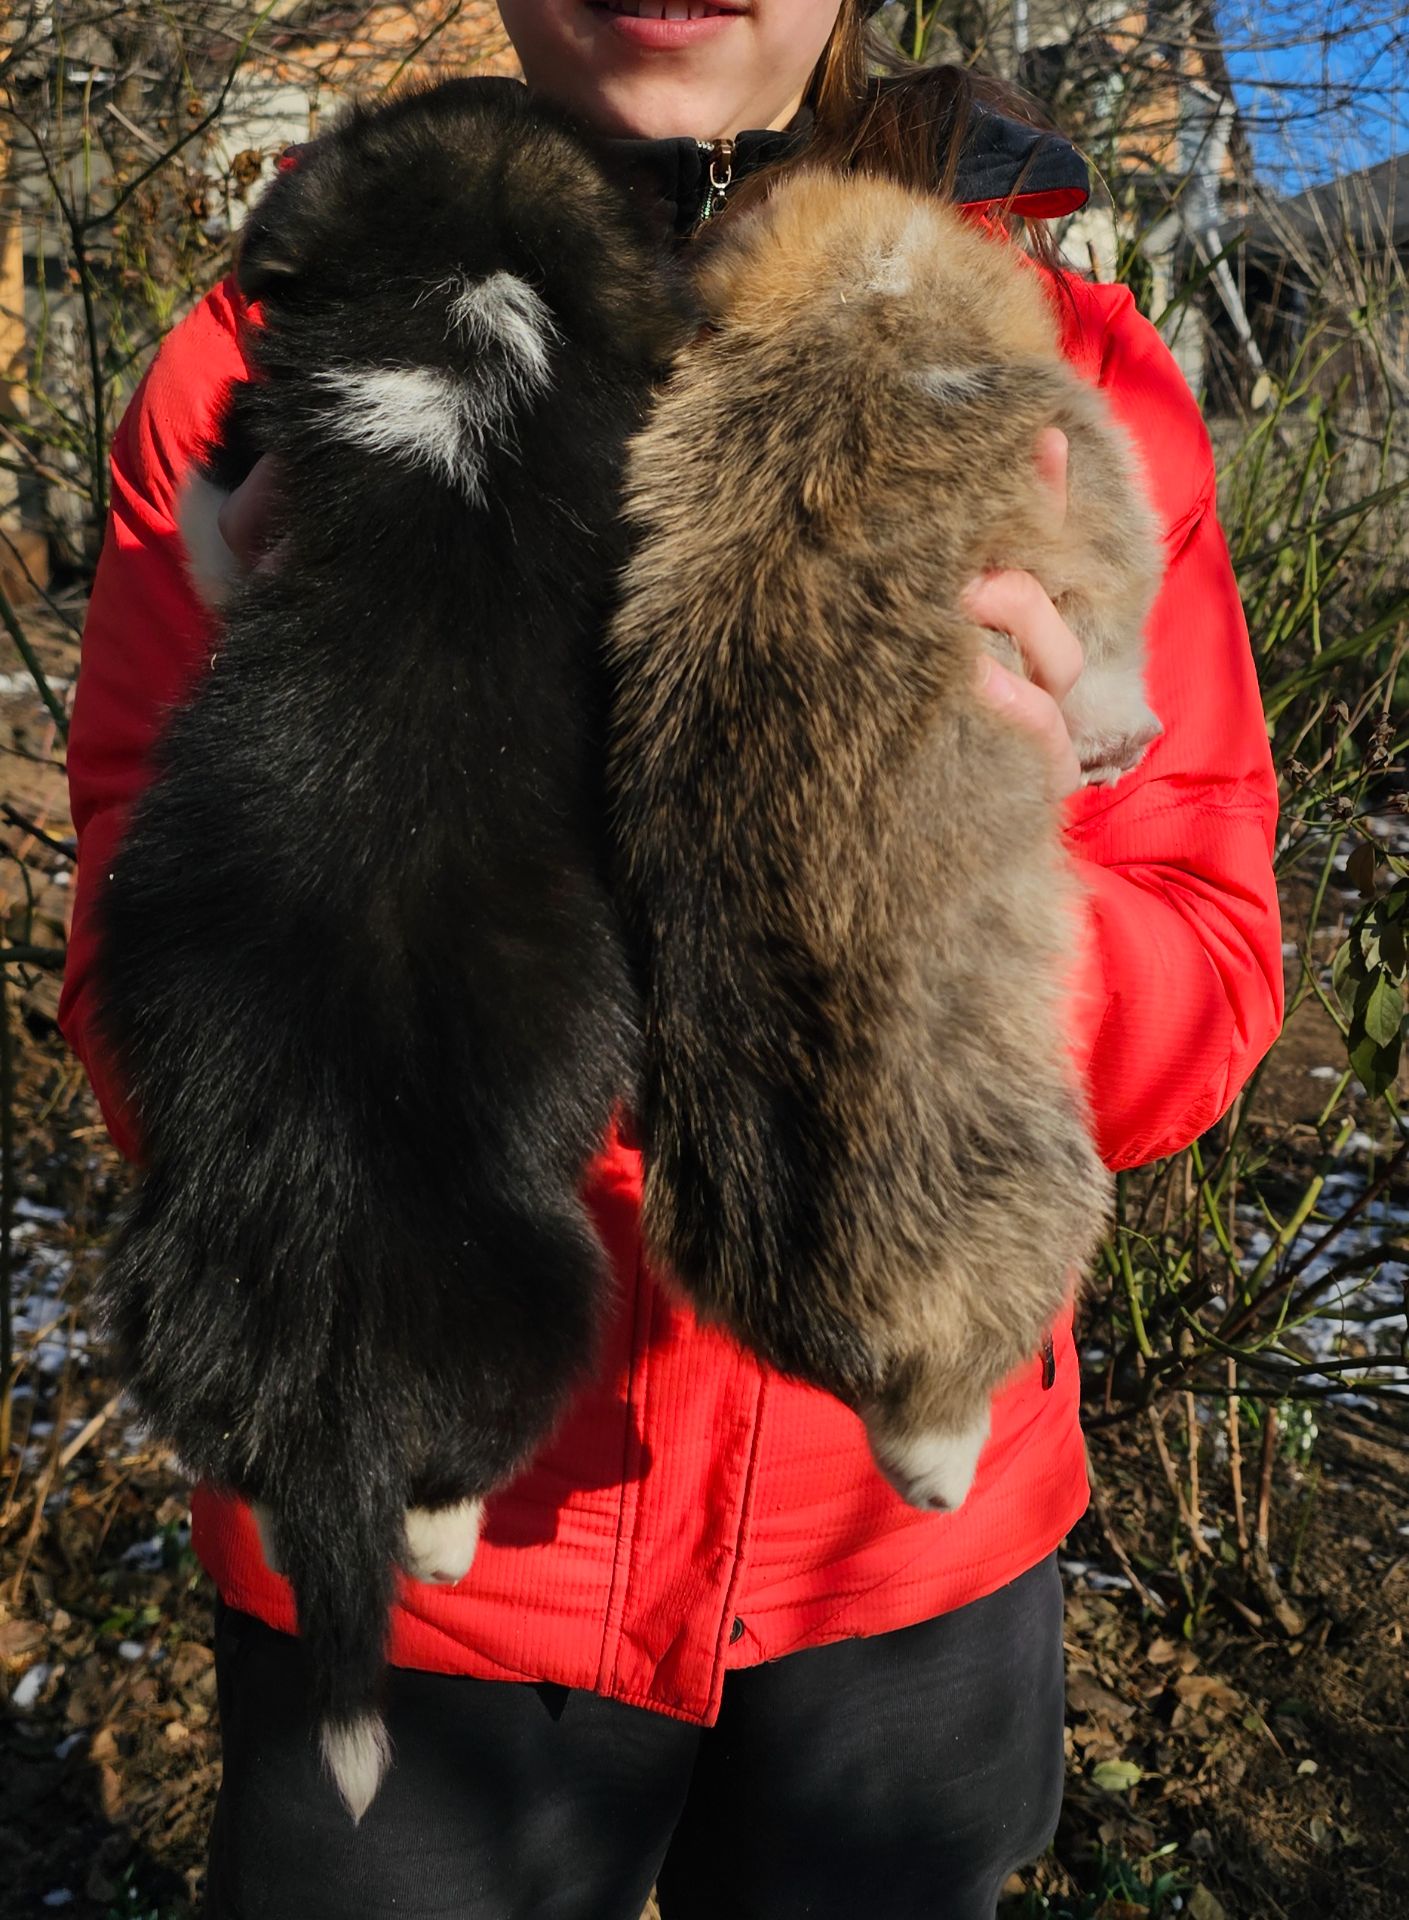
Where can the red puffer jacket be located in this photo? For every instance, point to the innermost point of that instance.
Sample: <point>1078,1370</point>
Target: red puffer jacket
<point>696,1511</point>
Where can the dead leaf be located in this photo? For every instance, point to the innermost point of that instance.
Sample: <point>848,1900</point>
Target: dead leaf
<point>19,1639</point>
<point>110,1792</point>
<point>1361,867</point>
<point>1085,1694</point>
<point>1202,1906</point>
<point>189,1662</point>
<point>1204,1693</point>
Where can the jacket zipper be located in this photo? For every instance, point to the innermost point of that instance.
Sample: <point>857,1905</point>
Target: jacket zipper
<point>721,172</point>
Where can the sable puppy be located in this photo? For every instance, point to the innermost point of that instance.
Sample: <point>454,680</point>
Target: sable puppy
<point>360,965</point>
<point>864,1152</point>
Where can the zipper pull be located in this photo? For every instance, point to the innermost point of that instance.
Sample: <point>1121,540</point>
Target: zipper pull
<point>721,172</point>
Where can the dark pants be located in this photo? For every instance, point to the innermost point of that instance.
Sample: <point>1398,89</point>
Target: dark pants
<point>900,1776</point>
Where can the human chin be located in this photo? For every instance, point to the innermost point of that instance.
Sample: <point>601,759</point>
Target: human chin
<point>658,105</point>
<point>746,63</point>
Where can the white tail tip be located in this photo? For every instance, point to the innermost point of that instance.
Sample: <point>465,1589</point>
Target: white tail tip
<point>357,1754</point>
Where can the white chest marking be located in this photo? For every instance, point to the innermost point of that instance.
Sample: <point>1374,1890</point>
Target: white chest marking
<point>430,416</point>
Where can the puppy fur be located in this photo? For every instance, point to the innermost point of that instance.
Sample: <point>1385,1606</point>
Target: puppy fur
<point>360,966</point>
<point>865,1154</point>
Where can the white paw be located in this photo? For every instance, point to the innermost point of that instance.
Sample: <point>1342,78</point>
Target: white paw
<point>1109,721</point>
<point>264,1527</point>
<point>932,1470</point>
<point>1103,761</point>
<point>441,1541</point>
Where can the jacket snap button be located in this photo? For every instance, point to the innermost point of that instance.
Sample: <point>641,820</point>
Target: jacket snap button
<point>736,1632</point>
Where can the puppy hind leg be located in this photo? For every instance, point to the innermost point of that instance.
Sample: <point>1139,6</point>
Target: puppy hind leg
<point>1110,721</point>
<point>930,1465</point>
<point>441,1541</point>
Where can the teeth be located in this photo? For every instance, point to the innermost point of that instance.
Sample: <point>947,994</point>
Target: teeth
<point>665,9</point>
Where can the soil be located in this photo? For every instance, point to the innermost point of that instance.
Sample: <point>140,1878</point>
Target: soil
<point>1275,1766</point>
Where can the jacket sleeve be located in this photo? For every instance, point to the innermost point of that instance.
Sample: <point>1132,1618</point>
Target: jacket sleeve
<point>145,640</point>
<point>1179,988</point>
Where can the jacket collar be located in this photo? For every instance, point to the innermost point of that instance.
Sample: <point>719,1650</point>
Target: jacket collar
<point>674,172</point>
<point>997,151</point>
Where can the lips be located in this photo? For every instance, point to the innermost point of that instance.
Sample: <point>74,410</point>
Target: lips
<point>665,26</point>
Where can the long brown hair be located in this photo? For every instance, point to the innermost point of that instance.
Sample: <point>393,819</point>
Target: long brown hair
<point>906,123</point>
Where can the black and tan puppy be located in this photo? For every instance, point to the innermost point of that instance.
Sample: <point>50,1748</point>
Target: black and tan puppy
<point>360,964</point>
<point>864,1152</point>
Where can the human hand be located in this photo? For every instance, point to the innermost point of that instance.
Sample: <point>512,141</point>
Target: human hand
<point>1011,601</point>
<point>244,517</point>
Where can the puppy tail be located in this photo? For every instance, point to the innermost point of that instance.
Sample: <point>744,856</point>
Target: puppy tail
<point>357,1754</point>
<point>337,1536</point>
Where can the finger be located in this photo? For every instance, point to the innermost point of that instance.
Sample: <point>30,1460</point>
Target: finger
<point>1038,714</point>
<point>1050,457</point>
<point>1016,603</point>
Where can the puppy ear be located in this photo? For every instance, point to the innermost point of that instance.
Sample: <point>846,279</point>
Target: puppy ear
<point>256,273</point>
<point>268,256</point>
